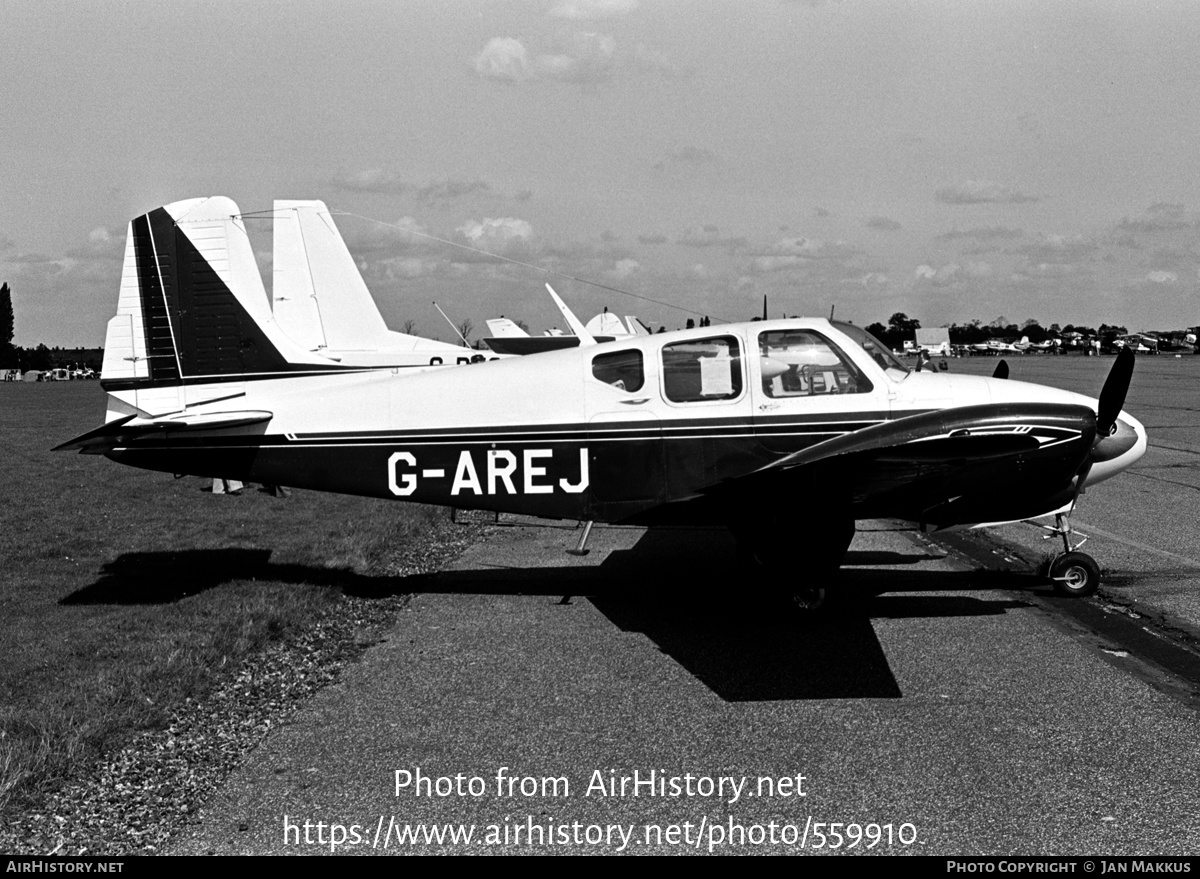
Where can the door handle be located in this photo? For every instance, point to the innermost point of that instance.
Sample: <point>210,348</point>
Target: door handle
<point>636,400</point>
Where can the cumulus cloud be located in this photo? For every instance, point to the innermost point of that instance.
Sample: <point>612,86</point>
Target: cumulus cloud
<point>504,236</point>
<point>583,58</point>
<point>101,243</point>
<point>981,192</point>
<point>503,59</point>
<point>1162,217</point>
<point>48,290</point>
<point>1161,277</point>
<point>953,273</point>
<point>498,230</point>
<point>625,268</point>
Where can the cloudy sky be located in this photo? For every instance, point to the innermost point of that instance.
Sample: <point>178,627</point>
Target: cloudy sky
<point>951,160</point>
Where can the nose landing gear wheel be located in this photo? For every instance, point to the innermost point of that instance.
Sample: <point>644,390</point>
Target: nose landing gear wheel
<point>1075,574</point>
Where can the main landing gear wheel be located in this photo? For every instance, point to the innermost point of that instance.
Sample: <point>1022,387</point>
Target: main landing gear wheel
<point>801,573</point>
<point>810,598</point>
<point>1075,574</point>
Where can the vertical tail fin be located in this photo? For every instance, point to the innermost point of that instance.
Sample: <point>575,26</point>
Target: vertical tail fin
<point>318,295</point>
<point>319,298</point>
<point>503,328</point>
<point>192,306</point>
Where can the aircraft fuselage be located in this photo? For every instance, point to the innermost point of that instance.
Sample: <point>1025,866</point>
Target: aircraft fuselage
<point>641,430</point>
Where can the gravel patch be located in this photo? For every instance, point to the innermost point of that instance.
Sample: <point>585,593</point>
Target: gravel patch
<point>133,800</point>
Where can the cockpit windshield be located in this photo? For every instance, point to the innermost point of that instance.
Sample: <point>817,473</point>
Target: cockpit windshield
<point>879,352</point>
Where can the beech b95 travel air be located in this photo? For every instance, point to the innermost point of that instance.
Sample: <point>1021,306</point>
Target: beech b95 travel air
<point>784,431</point>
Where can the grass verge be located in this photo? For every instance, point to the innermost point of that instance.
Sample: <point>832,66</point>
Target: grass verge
<point>125,593</point>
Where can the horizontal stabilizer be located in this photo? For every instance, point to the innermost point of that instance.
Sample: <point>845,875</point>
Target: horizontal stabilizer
<point>96,441</point>
<point>211,420</point>
<point>124,430</point>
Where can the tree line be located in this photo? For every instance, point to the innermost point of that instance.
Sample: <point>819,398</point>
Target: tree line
<point>901,328</point>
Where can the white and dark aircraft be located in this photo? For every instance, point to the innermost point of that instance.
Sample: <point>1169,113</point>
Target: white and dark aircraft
<point>995,346</point>
<point>784,431</point>
<point>1142,343</point>
<point>1025,346</point>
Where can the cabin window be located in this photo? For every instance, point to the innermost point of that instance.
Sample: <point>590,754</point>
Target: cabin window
<point>801,363</point>
<point>621,369</point>
<point>704,369</point>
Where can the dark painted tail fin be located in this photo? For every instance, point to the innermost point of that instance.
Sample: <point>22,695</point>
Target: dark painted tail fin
<point>192,307</point>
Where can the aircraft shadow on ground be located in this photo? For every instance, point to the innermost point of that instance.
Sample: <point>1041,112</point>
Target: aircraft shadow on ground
<point>166,577</point>
<point>683,590</point>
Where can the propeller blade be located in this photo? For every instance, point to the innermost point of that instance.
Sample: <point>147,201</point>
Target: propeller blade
<point>1112,395</point>
<point>1112,401</point>
<point>1001,370</point>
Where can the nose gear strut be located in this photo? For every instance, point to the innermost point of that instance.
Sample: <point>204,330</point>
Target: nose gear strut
<point>1074,573</point>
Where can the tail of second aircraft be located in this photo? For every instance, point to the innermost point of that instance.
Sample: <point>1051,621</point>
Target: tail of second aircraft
<point>321,301</point>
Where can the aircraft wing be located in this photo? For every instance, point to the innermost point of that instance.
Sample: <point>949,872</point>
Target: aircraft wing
<point>1006,461</point>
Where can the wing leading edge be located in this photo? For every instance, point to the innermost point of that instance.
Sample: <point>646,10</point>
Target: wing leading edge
<point>947,467</point>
